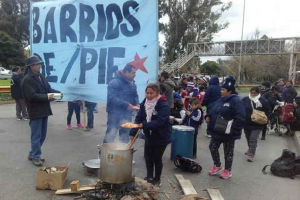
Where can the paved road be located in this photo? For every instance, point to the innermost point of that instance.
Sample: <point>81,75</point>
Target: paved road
<point>17,174</point>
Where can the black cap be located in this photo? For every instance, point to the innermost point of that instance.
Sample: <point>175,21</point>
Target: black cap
<point>266,84</point>
<point>33,60</point>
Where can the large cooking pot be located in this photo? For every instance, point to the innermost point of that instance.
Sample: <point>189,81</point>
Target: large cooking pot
<point>116,163</point>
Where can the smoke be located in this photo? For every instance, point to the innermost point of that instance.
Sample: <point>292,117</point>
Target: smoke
<point>115,129</point>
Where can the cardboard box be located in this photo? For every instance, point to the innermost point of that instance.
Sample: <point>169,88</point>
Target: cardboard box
<point>47,180</point>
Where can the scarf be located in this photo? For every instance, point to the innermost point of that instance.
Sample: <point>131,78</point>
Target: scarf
<point>150,106</point>
<point>256,100</point>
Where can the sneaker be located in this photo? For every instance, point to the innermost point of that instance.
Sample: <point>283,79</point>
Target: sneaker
<point>25,119</point>
<point>263,138</point>
<point>69,127</point>
<point>30,158</point>
<point>214,170</point>
<point>87,129</point>
<point>250,158</point>
<point>19,119</point>
<point>80,126</point>
<point>37,162</point>
<point>133,162</point>
<point>209,136</point>
<point>148,179</point>
<point>226,174</point>
<point>156,183</point>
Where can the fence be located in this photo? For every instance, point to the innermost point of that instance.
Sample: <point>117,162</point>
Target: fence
<point>4,89</point>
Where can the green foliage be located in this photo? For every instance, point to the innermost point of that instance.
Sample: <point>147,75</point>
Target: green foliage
<point>189,21</point>
<point>14,34</point>
<point>5,82</point>
<point>210,68</point>
<point>5,97</point>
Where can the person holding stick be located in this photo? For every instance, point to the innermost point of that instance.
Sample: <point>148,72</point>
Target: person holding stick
<point>153,118</point>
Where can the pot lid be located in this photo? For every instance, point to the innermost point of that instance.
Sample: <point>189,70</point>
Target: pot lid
<point>183,128</point>
<point>93,164</point>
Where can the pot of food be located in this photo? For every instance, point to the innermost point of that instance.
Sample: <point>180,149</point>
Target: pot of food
<point>116,163</point>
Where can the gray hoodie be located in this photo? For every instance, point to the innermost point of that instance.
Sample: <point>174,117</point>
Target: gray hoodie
<point>168,89</point>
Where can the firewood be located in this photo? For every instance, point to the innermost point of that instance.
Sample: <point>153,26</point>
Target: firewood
<point>192,197</point>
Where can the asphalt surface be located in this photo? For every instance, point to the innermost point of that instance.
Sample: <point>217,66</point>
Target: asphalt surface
<point>63,147</point>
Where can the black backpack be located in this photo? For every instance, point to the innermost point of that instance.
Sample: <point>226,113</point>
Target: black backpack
<point>287,165</point>
<point>187,164</point>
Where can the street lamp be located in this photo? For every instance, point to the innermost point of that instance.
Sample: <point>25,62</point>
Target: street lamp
<point>240,64</point>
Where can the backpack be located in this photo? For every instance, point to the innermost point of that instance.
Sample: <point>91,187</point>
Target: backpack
<point>287,165</point>
<point>287,115</point>
<point>187,164</point>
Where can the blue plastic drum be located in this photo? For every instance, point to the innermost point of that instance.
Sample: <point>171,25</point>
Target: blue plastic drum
<point>182,141</point>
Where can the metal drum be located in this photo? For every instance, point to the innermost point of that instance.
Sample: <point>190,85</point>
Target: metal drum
<point>182,141</point>
<point>116,163</point>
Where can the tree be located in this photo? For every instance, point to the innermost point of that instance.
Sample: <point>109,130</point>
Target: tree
<point>14,36</point>
<point>189,21</point>
<point>210,68</point>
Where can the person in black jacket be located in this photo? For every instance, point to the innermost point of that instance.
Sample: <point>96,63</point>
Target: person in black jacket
<point>153,118</point>
<point>169,87</point>
<point>252,130</point>
<point>268,94</point>
<point>35,89</point>
<point>289,93</point>
<point>122,99</point>
<point>212,94</point>
<point>16,93</point>
<point>227,119</point>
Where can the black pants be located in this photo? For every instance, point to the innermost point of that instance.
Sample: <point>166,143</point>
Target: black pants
<point>228,151</point>
<point>71,107</point>
<point>153,156</point>
<point>21,108</point>
<point>195,145</point>
<point>90,113</point>
<point>264,131</point>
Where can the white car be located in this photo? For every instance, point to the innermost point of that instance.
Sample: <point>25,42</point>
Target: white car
<point>4,73</point>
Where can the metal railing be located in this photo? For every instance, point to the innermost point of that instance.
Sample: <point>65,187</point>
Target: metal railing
<point>4,89</point>
<point>270,46</point>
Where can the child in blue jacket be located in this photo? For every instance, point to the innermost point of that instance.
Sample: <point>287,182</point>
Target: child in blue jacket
<point>193,119</point>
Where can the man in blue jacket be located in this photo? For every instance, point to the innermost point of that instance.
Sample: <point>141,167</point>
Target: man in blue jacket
<point>212,94</point>
<point>122,99</point>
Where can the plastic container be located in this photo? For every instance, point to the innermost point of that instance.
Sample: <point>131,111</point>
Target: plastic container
<point>182,141</point>
<point>57,96</point>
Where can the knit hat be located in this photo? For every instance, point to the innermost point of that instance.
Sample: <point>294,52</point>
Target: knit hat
<point>204,79</point>
<point>229,84</point>
<point>266,84</point>
<point>191,84</point>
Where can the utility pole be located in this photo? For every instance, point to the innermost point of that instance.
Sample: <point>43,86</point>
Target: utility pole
<point>240,64</point>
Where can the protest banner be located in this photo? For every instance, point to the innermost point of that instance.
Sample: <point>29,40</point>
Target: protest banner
<point>83,43</point>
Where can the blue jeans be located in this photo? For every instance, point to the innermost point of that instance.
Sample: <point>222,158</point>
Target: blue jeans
<point>38,135</point>
<point>90,113</point>
<point>114,121</point>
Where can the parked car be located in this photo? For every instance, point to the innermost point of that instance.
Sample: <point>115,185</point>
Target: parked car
<point>4,73</point>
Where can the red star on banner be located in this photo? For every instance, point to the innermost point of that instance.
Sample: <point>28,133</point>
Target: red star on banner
<point>138,63</point>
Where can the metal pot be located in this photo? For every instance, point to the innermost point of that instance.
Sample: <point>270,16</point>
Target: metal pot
<point>116,163</point>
